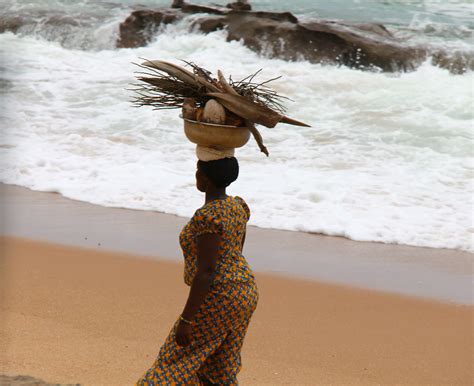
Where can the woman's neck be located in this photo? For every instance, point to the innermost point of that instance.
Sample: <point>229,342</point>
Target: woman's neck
<point>215,194</point>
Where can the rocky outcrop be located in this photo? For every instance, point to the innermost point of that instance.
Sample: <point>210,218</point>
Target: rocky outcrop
<point>456,62</point>
<point>11,24</point>
<point>177,3</point>
<point>282,35</point>
<point>142,25</point>
<point>366,46</point>
<point>16,24</point>
<point>241,5</point>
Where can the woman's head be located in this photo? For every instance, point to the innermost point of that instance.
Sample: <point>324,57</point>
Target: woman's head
<point>220,173</point>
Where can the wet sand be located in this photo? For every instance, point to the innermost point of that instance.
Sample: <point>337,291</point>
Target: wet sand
<point>439,274</point>
<point>76,315</point>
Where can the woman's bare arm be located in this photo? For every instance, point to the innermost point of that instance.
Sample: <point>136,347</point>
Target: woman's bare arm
<point>207,254</point>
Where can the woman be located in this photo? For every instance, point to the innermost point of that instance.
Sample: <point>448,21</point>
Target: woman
<point>203,347</point>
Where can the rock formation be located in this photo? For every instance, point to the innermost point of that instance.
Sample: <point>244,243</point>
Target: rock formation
<point>240,5</point>
<point>282,35</point>
<point>177,4</point>
<point>368,46</point>
<point>141,25</point>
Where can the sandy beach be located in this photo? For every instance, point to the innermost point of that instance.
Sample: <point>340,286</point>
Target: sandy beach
<point>359,183</point>
<point>89,293</point>
<point>439,274</point>
<point>76,315</point>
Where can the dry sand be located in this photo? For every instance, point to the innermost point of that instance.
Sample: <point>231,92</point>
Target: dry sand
<point>73,315</point>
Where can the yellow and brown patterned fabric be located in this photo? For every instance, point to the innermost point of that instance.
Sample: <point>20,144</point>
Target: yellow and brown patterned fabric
<point>228,217</point>
<point>221,322</point>
<point>218,334</point>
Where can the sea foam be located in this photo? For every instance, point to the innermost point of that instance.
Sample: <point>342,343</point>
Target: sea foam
<point>388,157</point>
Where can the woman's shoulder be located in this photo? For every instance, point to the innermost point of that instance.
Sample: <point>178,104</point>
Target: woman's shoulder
<point>244,205</point>
<point>219,209</point>
<point>206,220</point>
<point>207,210</point>
<point>210,210</point>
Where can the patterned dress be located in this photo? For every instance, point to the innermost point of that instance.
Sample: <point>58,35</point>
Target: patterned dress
<point>221,322</point>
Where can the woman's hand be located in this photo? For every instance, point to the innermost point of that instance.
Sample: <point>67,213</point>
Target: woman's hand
<point>183,334</point>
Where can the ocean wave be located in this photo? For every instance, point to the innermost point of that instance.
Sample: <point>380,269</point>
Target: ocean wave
<point>91,25</point>
<point>388,157</point>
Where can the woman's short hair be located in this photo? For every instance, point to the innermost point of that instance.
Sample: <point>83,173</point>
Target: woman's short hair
<point>221,172</point>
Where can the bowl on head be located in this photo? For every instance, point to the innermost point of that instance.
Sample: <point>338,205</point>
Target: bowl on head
<point>213,135</point>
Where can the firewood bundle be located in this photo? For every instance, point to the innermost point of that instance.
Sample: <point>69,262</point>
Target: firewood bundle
<point>207,100</point>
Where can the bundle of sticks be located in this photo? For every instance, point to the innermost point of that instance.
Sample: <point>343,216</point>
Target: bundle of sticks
<point>203,98</point>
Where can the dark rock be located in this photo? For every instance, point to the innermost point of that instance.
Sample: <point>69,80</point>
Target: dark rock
<point>240,6</point>
<point>281,35</point>
<point>141,26</point>
<point>277,16</point>
<point>375,28</point>
<point>455,62</point>
<point>11,24</point>
<point>193,8</point>
<point>207,24</point>
<point>365,46</point>
<point>287,41</point>
<point>14,23</point>
<point>177,3</point>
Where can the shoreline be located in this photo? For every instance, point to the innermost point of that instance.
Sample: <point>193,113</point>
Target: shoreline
<point>76,315</point>
<point>439,274</point>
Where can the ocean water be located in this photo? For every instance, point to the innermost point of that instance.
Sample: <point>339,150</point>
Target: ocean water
<point>388,157</point>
